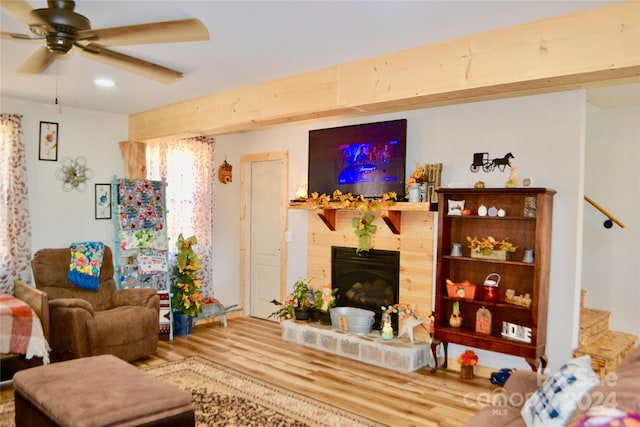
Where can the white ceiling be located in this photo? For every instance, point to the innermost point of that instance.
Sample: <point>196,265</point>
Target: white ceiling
<point>257,41</point>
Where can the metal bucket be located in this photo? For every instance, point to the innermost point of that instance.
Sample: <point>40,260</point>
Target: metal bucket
<point>353,320</point>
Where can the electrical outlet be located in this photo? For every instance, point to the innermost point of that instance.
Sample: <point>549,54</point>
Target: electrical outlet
<point>288,236</point>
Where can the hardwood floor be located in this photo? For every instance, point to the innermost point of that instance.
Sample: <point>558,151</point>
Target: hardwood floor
<point>254,346</point>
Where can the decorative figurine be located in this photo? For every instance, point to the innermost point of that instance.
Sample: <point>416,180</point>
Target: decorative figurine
<point>408,323</point>
<point>387,329</point>
<point>513,178</point>
<point>483,321</point>
<point>225,172</point>
<point>455,320</point>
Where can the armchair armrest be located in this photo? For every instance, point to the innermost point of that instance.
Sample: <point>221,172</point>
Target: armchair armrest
<point>71,303</point>
<point>145,297</point>
<point>37,299</point>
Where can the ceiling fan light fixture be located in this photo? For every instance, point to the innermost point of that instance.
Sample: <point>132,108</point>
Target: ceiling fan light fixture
<point>59,43</point>
<point>103,82</point>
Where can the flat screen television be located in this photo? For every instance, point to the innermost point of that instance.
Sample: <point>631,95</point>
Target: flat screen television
<point>367,159</point>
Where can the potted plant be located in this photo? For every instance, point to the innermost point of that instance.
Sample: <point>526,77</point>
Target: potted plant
<point>325,300</point>
<point>302,303</point>
<point>286,308</point>
<point>186,299</point>
<point>467,361</point>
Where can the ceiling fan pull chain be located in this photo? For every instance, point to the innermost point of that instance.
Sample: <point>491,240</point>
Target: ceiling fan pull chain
<point>57,79</point>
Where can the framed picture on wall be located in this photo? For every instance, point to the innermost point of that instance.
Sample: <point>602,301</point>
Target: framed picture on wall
<point>48,147</point>
<point>103,201</point>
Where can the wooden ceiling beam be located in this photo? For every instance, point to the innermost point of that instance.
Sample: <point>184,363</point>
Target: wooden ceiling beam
<point>562,53</point>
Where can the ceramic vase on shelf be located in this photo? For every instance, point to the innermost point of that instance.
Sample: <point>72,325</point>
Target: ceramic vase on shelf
<point>466,372</point>
<point>414,193</point>
<point>455,320</point>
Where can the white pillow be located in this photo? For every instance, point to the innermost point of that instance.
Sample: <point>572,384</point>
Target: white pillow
<point>556,399</point>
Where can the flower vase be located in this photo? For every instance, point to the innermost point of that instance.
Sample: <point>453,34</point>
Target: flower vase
<point>181,323</point>
<point>466,372</point>
<point>455,320</point>
<point>414,193</point>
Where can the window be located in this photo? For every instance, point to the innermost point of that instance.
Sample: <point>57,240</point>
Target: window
<point>187,167</point>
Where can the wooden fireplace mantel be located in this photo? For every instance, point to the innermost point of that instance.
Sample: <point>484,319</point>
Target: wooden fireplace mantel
<point>392,215</point>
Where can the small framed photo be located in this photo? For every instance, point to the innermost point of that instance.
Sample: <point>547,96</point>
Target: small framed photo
<point>103,201</point>
<point>48,147</point>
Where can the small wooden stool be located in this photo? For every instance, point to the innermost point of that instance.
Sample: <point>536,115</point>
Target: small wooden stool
<point>98,391</point>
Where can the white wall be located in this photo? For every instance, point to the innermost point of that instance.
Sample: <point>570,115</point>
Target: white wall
<point>610,260</point>
<point>545,134</point>
<point>58,217</point>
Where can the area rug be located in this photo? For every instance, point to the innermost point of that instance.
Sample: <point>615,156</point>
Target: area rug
<point>225,397</point>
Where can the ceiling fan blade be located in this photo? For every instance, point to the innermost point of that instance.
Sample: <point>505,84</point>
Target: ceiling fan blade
<point>22,10</point>
<point>6,35</point>
<point>181,30</point>
<point>129,63</point>
<point>38,62</point>
<point>20,37</point>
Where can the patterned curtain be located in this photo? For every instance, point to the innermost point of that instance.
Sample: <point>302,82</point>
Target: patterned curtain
<point>15,221</point>
<point>187,166</point>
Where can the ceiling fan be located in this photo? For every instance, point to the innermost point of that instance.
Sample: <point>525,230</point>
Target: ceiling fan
<point>62,29</point>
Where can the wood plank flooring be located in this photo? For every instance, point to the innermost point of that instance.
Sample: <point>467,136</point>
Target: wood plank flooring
<point>255,347</point>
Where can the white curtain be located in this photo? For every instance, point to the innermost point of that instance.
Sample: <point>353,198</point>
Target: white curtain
<point>187,166</point>
<point>15,221</point>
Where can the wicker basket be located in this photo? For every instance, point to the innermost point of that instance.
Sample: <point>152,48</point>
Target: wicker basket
<point>459,290</point>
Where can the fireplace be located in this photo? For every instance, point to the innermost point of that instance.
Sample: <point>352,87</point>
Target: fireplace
<point>368,280</point>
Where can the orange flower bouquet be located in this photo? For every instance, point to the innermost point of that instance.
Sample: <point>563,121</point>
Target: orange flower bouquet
<point>468,358</point>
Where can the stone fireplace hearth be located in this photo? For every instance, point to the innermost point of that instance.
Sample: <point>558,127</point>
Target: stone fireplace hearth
<point>398,354</point>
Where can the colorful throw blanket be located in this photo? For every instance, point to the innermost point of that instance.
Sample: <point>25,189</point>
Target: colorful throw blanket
<point>85,264</point>
<point>20,329</point>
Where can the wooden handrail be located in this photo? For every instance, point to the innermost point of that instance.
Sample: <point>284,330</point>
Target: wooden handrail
<point>607,224</point>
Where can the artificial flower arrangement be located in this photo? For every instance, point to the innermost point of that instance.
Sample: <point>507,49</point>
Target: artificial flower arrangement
<point>348,200</point>
<point>325,298</point>
<point>486,245</point>
<point>468,358</point>
<point>402,310</point>
<point>419,176</point>
<point>363,228</point>
<point>299,298</point>
<point>186,294</point>
<point>286,309</point>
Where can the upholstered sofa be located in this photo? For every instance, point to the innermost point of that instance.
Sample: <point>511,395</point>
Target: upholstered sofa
<point>122,322</point>
<point>621,390</point>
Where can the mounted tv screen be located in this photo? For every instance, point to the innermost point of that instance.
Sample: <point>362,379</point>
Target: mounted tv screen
<point>367,159</point>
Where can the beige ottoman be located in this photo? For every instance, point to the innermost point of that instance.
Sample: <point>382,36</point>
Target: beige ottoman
<point>98,391</point>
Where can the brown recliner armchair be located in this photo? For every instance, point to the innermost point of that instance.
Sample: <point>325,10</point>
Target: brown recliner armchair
<point>123,322</point>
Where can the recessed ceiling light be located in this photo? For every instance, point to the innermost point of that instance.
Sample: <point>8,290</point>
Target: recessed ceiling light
<point>104,82</point>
